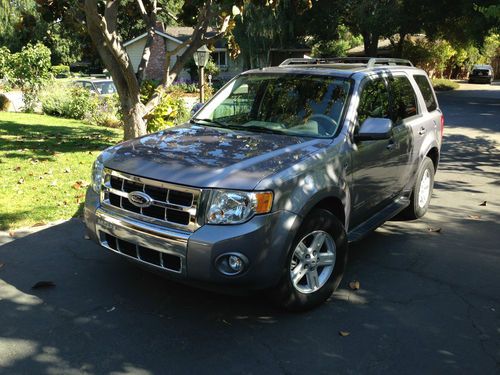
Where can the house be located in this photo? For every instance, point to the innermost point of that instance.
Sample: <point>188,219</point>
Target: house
<point>167,39</point>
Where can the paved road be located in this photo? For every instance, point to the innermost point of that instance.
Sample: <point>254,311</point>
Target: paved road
<point>429,302</point>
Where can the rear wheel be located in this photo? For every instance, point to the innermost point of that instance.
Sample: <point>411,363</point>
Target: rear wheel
<point>315,263</point>
<point>422,192</point>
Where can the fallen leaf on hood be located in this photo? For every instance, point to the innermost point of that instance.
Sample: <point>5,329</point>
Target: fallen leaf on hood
<point>344,333</point>
<point>434,230</point>
<point>483,204</point>
<point>474,217</point>
<point>354,285</point>
<point>43,284</point>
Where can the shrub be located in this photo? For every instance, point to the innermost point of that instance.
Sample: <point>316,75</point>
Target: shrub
<point>444,85</point>
<point>60,71</point>
<point>31,72</point>
<point>171,111</point>
<point>107,112</point>
<point>5,103</point>
<point>68,102</point>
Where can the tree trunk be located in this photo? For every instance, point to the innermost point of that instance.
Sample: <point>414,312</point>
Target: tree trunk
<point>133,121</point>
<point>370,42</point>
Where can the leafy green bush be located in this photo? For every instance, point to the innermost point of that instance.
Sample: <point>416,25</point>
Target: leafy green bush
<point>60,71</point>
<point>68,102</point>
<point>444,84</point>
<point>171,111</point>
<point>31,72</point>
<point>107,112</point>
<point>5,62</point>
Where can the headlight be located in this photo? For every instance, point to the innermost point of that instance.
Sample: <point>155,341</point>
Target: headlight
<point>97,175</point>
<point>234,207</point>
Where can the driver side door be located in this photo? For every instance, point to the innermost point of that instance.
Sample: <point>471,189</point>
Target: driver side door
<point>374,162</point>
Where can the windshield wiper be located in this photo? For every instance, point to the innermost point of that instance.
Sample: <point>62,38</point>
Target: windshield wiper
<point>209,122</point>
<point>262,129</point>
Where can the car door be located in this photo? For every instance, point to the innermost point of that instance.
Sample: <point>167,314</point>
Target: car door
<point>375,170</point>
<point>408,121</point>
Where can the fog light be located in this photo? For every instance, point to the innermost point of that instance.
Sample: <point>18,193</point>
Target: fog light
<point>235,263</point>
<point>231,264</point>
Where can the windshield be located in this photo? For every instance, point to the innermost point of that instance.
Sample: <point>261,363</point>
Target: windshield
<point>301,105</point>
<point>104,88</point>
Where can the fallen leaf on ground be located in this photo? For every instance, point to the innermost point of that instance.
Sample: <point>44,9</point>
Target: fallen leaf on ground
<point>67,170</point>
<point>483,204</point>
<point>40,177</point>
<point>434,230</point>
<point>20,181</point>
<point>34,161</point>
<point>43,284</point>
<point>344,333</point>
<point>2,264</point>
<point>354,285</point>
<point>111,309</point>
<point>474,217</point>
<point>49,172</point>
<point>40,224</point>
<point>86,237</point>
<point>53,183</point>
<point>17,169</point>
<point>12,233</point>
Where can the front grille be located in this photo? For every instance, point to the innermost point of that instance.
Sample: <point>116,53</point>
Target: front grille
<point>171,205</point>
<point>168,261</point>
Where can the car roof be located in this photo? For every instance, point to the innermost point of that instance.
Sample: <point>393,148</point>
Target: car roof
<point>482,66</point>
<point>337,70</point>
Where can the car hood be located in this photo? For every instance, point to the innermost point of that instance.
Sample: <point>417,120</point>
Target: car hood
<point>203,156</point>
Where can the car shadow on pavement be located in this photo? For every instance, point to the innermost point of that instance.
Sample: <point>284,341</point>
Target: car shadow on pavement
<point>106,315</point>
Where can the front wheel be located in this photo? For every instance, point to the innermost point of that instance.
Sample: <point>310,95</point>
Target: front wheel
<point>422,191</point>
<point>315,263</point>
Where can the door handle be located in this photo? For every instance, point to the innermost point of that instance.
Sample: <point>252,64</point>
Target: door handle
<point>421,131</point>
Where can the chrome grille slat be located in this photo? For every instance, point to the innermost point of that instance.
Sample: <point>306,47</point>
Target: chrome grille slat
<point>161,212</point>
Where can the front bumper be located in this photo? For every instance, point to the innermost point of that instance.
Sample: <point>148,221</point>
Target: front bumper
<point>191,256</point>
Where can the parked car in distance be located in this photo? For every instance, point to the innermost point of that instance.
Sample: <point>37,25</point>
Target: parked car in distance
<point>481,74</point>
<point>273,177</point>
<point>98,86</point>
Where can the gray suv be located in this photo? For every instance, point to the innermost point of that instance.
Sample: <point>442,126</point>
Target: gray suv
<point>273,177</point>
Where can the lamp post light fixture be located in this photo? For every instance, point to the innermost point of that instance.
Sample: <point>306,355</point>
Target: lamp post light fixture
<point>201,59</point>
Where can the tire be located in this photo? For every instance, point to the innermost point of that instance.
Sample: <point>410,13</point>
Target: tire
<point>308,291</point>
<point>418,202</point>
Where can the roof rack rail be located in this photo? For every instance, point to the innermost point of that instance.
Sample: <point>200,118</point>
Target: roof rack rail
<point>370,62</point>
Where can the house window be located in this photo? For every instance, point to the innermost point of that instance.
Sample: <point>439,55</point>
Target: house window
<point>219,58</point>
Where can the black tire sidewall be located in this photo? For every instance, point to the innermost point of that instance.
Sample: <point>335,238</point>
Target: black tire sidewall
<point>286,294</point>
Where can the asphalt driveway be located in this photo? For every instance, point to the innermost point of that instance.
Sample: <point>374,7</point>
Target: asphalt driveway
<point>429,300</point>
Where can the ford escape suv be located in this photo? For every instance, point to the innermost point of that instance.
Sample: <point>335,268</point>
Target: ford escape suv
<point>272,178</point>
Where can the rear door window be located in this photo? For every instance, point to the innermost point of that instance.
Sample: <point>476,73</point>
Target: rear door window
<point>403,100</point>
<point>426,90</point>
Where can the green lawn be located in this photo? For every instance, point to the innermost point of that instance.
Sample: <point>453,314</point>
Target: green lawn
<point>45,164</point>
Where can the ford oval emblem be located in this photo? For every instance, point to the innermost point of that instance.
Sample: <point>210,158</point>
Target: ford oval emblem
<point>140,199</point>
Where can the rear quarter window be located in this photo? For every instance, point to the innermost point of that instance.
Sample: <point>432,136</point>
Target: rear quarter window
<point>426,90</point>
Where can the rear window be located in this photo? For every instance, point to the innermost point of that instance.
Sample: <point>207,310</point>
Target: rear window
<point>426,90</point>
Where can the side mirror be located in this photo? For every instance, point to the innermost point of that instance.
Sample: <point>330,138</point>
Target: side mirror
<point>374,129</point>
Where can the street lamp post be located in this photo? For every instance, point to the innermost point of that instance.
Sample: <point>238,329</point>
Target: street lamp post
<point>201,58</point>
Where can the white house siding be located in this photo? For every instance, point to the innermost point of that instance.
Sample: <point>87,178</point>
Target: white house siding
<point>135,51</point>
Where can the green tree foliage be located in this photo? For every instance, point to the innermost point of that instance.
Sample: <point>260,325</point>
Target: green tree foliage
<point>339,46</point>
<point>30,69</point>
